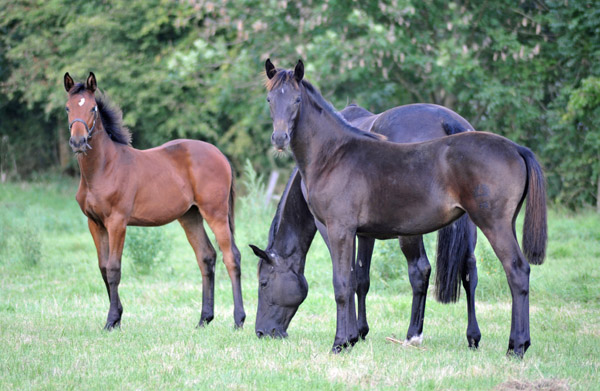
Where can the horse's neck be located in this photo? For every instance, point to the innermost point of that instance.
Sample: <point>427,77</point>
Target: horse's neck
<point>318,137</point>
<point>96,162</point>
<point>295,228</point>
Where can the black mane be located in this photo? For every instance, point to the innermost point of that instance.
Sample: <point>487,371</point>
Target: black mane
<point>322,104</point>
<point>110,116</point>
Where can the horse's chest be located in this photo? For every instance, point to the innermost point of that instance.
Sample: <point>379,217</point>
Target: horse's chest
<point>93,206</point>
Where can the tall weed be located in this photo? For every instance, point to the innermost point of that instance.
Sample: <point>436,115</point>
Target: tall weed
<point>147,247</point>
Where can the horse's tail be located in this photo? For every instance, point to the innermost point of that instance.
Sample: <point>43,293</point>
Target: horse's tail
<point>452,254</point>
<point>231,214</point>
<point>535,226</point>
<point>453,243</point>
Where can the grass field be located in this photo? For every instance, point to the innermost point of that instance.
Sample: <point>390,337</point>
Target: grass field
<point>53,306</point>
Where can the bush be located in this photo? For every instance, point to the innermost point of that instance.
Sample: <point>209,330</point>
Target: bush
<point>147,247</point>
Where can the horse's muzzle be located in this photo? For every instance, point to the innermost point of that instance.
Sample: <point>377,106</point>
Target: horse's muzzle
<point>79,144</point>
<point>280,140</point>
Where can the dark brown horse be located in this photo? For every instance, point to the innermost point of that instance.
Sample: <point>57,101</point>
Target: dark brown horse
<point>356,183</point>
<point>185,180</point>
<point>282,285</point>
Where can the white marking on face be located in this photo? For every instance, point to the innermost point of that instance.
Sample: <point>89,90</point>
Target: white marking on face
<point>282,91</point>
<point>81,102</point>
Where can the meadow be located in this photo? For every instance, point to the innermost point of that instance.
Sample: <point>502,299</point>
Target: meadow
<point>53,305</point>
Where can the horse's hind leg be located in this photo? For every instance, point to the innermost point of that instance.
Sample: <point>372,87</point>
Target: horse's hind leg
<point>363,265</point>
<point>469,280</point>
<point>206,257</point>
<point>219,224</point>
<point>507,249</point>
<point>419,271</point>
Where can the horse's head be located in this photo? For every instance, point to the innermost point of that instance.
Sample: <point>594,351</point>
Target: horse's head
<point>82,111</point>
<point>281,290</point>
<point>284,99</point>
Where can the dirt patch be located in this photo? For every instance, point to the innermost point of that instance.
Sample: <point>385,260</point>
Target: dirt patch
<point>538,385</point>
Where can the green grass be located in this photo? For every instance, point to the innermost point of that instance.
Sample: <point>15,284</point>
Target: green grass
<point>53,305</point>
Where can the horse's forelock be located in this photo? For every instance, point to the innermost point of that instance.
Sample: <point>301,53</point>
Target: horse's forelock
<point>76,89</point>
<point>281,77</point>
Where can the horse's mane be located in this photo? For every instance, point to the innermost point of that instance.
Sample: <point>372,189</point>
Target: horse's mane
<point>318,101</point>
<point>279,212</point>
<point>110,116</point>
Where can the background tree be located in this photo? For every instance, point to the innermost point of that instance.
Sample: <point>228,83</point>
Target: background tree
<point>527,70</point>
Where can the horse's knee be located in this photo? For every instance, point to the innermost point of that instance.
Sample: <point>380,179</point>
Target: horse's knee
<point>233,265</point>
<point>342,290</point>
<point>424,267</point>
<point>418,273</point>
<point>208,264</point>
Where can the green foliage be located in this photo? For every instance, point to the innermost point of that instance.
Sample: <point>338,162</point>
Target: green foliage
<point>195,69</point>
<point>20,238</point>
<point>147,247</point>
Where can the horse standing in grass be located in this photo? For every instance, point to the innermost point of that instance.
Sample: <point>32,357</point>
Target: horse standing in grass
<point>282,285</point>
<point>185,180</point>
<point>356,183</point>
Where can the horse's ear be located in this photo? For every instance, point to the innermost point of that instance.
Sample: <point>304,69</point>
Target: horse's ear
<point>270,68</point>
<point>69,83</point>
<point>90,83</point>
<point>262,254</point>
<point>299,71</point>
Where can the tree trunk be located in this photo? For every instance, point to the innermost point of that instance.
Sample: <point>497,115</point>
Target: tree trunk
<point>63,147</point>
<point>598,196</point>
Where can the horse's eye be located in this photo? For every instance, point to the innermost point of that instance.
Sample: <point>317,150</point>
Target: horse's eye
<point>67,109</point>
<point>298,99</point>
<point>268,99</point>
<point>263,284</point>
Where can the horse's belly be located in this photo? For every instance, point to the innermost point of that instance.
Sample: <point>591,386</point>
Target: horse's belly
<point>398,218</point>
<point>160,201</point>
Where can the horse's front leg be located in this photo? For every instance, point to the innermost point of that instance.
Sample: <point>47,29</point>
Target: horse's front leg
<point>116,228</point>
<point>344,286</point>
<point>419,270</point>
<point>100,236</point>
<point>363,266</point>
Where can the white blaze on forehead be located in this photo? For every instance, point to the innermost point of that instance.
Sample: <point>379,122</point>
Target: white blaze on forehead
<point>81,102</point>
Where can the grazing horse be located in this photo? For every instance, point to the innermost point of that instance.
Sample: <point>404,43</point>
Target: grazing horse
<point>187,180</point>
<point>358,184</point>
<point>282,286</point>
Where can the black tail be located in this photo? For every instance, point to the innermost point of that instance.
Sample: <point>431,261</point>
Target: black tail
<point>453,244</point>
<point>452,253</point>
<point>535,225</point>
<point>231,215</point>
<point>452,126</point>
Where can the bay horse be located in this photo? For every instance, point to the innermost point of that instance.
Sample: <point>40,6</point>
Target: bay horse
<point>282,285</point>
<point>357,183</point>
<point>185,180</point>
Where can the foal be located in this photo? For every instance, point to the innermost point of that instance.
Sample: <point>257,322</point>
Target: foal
<point>185,180</point>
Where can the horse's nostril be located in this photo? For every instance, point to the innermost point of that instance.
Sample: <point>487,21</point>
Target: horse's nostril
<point>259,333</point>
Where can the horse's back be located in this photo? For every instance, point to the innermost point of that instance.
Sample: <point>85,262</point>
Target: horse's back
<point>419,122</point>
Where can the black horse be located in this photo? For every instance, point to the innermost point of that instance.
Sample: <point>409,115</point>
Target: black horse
<point>356,183</point>
<point>282,286</point>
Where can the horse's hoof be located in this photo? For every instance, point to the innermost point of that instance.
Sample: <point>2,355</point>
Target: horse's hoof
<point>337,349</point>
<point>362,333</point>
<point>473,343</point>
<point>110,325</point>
<point>239,320</point>
<point>204,321</point>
